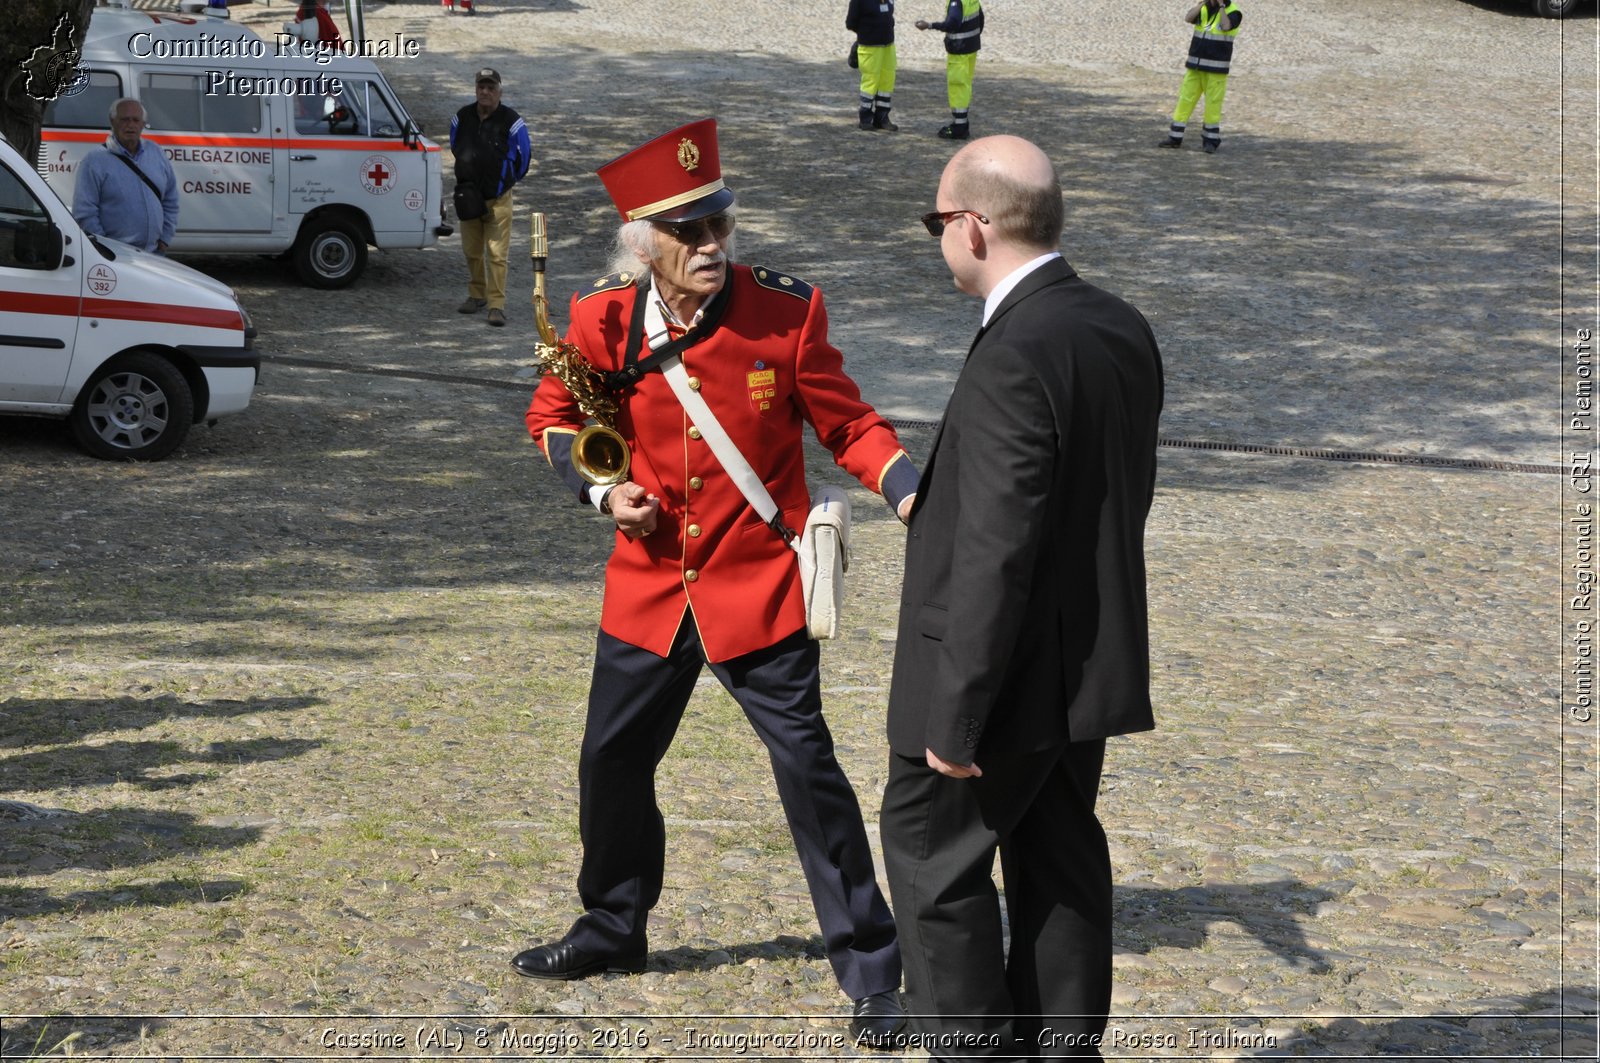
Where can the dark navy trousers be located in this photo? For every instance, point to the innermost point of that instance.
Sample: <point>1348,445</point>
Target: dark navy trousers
<point>636,701</point>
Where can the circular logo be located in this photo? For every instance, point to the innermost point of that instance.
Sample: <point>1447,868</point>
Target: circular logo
<point>413,199</point>
<point>102,279</point>
<point>378,175</point>
<point>65,75</point>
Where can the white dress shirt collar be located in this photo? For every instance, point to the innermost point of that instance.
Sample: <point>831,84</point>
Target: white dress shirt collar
<point>1011,280</point>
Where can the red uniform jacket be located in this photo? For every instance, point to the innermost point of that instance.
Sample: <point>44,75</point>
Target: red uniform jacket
<point>767,368</point>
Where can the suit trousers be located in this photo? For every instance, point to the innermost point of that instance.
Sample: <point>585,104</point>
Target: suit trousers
<point>1051,994</point>
<point>486,242</point>
<point>635,704</point>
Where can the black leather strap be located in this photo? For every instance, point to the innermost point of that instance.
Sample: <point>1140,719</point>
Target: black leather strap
<point>633,367</point>
<point>151,185</point>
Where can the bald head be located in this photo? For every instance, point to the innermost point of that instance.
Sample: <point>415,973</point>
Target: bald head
<point>1012,182</point>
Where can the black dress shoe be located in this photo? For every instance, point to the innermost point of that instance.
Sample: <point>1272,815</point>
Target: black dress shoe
<point>564,961</point>
<point>879,1021</point>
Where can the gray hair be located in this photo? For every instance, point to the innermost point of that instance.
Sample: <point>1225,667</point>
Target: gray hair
<point>635,246</point>
<point>111,115</point>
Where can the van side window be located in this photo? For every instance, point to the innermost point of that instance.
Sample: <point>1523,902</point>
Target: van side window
<point>89,108</point>
<point>350,109</point>
<point>23,225</point>
<point>359,110</point>
<point>179,102</point>
<point>385,123</point>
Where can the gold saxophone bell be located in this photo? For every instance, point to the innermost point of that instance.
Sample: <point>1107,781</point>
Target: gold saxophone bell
<point>599,453</point>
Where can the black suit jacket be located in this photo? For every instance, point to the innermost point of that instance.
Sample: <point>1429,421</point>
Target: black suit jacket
<point>1023,620</point>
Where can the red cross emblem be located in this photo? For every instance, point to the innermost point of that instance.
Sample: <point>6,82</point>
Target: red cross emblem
<point>377,175</point>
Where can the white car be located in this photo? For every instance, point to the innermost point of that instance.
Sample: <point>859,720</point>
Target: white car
<point>131,348</point>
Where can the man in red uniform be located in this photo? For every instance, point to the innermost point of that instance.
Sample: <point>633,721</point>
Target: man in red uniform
<point>695,576</point>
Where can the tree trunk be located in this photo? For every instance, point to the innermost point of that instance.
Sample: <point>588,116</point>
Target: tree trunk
<point>37,52</point>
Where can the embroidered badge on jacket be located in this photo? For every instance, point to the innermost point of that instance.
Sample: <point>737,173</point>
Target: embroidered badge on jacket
<point>763,385</point>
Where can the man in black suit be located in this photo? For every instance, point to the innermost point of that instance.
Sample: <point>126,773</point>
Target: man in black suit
<point>1023,639</point>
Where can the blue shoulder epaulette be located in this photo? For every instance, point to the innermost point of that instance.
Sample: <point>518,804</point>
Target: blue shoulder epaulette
<point>781,282</point>
<point>610,283</point>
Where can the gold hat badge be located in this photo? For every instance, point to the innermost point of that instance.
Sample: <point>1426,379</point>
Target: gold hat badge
<point>688,155</point>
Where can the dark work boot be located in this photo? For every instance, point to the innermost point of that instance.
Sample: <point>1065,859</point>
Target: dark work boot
<point>880,117</point>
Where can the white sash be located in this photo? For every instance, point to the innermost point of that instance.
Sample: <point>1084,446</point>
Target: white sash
<point>823,547</point>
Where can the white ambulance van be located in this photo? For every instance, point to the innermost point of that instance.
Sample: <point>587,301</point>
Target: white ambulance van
<point>131,348</point>
<point>278,147</point>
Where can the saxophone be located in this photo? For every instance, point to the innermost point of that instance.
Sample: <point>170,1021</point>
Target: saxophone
<point>599,453</point>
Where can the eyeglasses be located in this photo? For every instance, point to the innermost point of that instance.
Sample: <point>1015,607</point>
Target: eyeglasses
<point>936,220</point>
<point>694,232</point>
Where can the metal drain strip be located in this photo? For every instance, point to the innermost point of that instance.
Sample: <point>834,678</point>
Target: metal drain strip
<point>1375,457</point>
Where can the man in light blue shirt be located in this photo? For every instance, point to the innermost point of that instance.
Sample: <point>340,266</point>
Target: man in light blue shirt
<point>128,192</point>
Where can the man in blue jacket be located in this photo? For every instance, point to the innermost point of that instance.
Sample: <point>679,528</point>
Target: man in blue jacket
<point>128,192</point>
<point>492,151</point>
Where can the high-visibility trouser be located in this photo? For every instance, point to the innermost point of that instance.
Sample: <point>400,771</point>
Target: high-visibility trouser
<point>486,242</point>
<point>958,74</point>
<point>1197,83</point>
<point>877,75</point>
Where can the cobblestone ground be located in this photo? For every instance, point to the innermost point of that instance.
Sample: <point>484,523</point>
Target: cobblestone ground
<point>307,696</point>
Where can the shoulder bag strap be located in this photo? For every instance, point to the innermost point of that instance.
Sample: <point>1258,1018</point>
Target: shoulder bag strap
<point>130,164</point>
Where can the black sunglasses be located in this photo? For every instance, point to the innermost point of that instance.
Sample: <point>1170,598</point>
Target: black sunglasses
<point>693,232</point>
<point>936,220</point>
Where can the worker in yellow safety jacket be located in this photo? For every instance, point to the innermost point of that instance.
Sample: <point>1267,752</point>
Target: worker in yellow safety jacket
<point>962,26</point>
<point>1216,24</point>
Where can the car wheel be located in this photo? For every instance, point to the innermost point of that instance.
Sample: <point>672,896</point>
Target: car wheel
<point>330,253</point>
<point>1554,8</point>
<point>138,407</point>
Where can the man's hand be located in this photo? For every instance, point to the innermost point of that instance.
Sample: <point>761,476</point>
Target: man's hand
<point>903,511</point>
<point>955,771</point>
<point>922,24</point>
<point>633,509</point>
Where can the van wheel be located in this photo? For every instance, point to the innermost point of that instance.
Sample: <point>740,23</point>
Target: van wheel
<point>330,253</point>
<point>1554,8</point>
<point>138,407</point>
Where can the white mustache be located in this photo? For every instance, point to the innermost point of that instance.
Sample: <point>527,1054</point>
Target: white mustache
<point>703,261</point>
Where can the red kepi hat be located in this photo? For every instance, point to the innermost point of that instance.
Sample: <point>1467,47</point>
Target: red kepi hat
<point>675,177</point>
